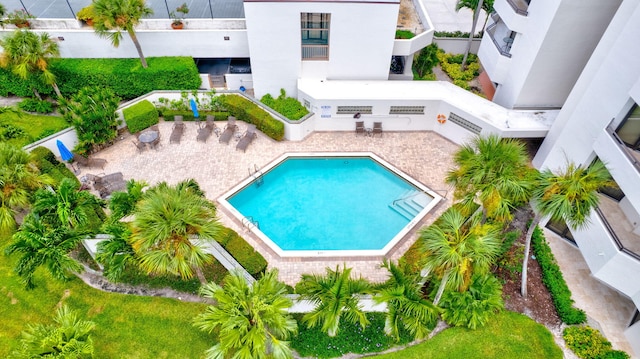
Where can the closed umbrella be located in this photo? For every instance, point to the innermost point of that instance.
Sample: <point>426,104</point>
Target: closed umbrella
<point>194,108</point>
<point>65,154</point>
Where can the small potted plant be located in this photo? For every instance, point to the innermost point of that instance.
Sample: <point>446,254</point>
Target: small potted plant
<point>19,18</point>
<point>178,20</point>
<point>86,14</point>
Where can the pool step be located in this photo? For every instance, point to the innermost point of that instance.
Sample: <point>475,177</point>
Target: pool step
<point>410,203</point>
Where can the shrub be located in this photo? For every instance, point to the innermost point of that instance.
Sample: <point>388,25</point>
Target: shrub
<point>11,83</point>
<point>35,105</point>
<point>554,281</point>
<point>426,61</point>
<point>289,107</point>
<point>404,34</point>
<point>450,64</point>
<point>248,258</point>
<point>49,165</point>
<point>169,115</point>
<point>248,111</point>
<point>140,116</point>
<point>9,131</point>
<point>474,307</point>
<point>456,34</point>
<point>588,343</point>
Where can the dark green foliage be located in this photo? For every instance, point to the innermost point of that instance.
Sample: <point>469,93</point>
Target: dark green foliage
<point>426,60</point>
<point>289,107</point>
<point>588,343</point>
<point>251,260</point>
<point>92,111</point>
<point>474,307</point>
<point>456,34</point>
<point>507,242</point>
<point>555,283</point>
<point>169,115</point>
<point>35,105</point>
<point>351,338</point>
<point>9,131</point>
<point>404,34</point>
<point>249,112</point>
<point>451,65</point>
<point>49,165</point>
<point>126,77</point>
<point>140,116</point>
<point>12,84</point>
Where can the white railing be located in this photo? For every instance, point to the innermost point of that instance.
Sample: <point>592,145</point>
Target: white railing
<point>315,52</point>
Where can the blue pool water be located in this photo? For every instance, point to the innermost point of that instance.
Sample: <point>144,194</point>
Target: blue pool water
<point>325,204</point>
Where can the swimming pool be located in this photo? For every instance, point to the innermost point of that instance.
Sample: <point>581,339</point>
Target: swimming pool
<point>330,204</point>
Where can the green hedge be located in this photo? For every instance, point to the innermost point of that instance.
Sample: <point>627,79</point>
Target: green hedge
<point>249,112</point>
<point>49,165</point>
<point>169,115</point>
<point>140,116</point>
<point>248,258</point>
<point>126,77</point>
<point>588,343</point>
<point>554,281</point>
<point>288,107</point>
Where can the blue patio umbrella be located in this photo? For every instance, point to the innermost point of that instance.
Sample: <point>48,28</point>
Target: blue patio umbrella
<point>65,154</point>
<point>194,108</point>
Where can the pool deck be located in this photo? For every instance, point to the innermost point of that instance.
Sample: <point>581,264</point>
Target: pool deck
<point>217,167</point>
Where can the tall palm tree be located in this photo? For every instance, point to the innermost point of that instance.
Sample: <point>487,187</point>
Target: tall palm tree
<point>41,245</point>
<point>19,178</point>
<point>475,6</point>
<point>335,295</point>
<point>27,53</point>
<point>493,171</point>
<point>116,253</point>
<point>67,205</point>
<point>114,16</point>
<point>252,321</point>
<point>455,250</point>
<point>569,195</point>
<point>69,337</point>
<point>406,306</point>
<point>167,219</point>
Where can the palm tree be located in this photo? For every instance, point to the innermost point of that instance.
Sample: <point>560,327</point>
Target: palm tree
<point>123,204</point>
<point>166,220</point>
<point>475,307</point>
<point>334,294</point>
<point>454,251</point>
<point>494,172</point>
<point>116,252</point>
<point>252,321</point>
<point>67,205</point>
<point>41,245</point>
<point>69,337</point>
<point>27,53</point>
<point>475,6</point>
<point>114,16</point>
<point>567,196</point>
<point>406,306</point>
<point>19,178</point>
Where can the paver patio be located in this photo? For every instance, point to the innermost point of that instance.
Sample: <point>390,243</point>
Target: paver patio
<point>217,167</point>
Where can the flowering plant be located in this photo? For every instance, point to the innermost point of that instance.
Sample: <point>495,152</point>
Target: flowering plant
<point>19,17</point>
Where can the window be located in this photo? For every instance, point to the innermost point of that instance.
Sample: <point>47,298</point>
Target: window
<point>367,110</point>
<point>560,228</point>
<point>629,130</point>
<point>315,35</point>
<point>407,110</point>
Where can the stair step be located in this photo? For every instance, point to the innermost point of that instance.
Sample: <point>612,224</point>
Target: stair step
<point>422,200</point>
<point>409,207</point>
<point>402,212</point>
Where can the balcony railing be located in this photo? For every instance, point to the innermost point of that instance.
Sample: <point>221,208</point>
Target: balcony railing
<point>503,46</point>
<point>315,52</point>
<point>615,237</point>
<point>519,6</point>
<point>623,146</point>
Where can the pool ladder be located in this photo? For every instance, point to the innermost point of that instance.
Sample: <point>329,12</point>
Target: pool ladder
<point>247,222</point>
<point>257,175</point>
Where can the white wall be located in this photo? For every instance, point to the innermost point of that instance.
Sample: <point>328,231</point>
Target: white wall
<point>361,40</point>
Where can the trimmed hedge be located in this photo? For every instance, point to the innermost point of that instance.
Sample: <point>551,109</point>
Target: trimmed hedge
<point>126,77</point>
<point>588,343</point>
<point>251,260</point>
<point>169,115</point>
<point>49,165</point>
<point>140,116</point>
<point>554,281</point>
<point>249,112</point>
<point>288,107</point>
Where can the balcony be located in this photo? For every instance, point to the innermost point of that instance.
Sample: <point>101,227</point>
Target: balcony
<point>513,13</point>
<point>501,36</point>
<point>520,6</point>
<point>619,226</point>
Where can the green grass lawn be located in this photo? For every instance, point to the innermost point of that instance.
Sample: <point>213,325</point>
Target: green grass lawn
<point>508,335</point>
<point>33,127</point>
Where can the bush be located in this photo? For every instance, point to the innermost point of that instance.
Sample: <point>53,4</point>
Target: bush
<point>140,116</point>
<point>35,105</point>
<point>12,84</point>
<point>555,283</point>
<point>248,258</point>
<point>289,107</point>
<point>426,61</point>
<point>169,115</point>
<point>248,111</point>
<point>49,165</point>
<point>9,131</point>
<point>474,307</point>
<point>404,34</point>
<point>588,343</point>
<point>450,64</point>
<point>456,34</point>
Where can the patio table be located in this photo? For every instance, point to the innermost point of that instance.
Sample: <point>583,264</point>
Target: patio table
<point>148,136</point>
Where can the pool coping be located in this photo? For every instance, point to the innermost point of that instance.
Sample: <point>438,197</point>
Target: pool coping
<point>328,253</point>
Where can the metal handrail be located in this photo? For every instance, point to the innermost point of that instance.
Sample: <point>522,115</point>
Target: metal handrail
<point>248,221</point>
<point>495,42</point>
<point>409,196</point>
<point>615,237</point>
<point>515,7</point>
<point>623,146</point>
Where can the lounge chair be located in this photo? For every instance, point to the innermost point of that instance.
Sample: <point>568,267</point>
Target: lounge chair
<point>247,138</point>
<point>106,179</point>
<point>105,190</point>
<point>177,119</point>
<point>176,133</point>
<point>229,130</point>
<point>89,162</point>
<point>203,134</point>
<point>360,127</point>
<point>155,143</point>
<point>377,129</point>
